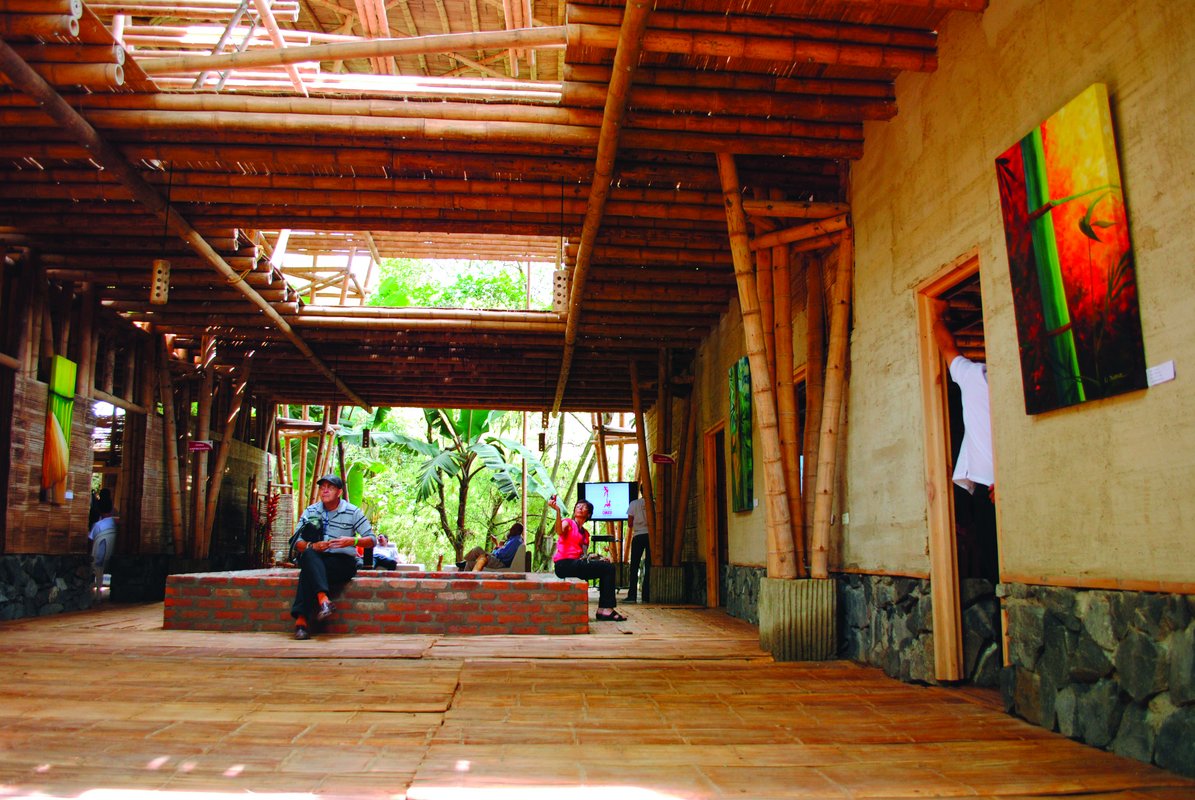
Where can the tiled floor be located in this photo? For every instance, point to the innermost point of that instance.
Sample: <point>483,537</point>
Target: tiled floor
<point>676,703</point>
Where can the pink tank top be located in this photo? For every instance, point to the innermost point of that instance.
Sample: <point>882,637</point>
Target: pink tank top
<point>572,542</point>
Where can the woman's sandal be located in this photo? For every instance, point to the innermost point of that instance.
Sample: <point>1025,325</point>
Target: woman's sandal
<point>613,616</point>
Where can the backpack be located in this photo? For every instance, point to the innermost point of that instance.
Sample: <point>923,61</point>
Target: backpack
<point>309,530</point>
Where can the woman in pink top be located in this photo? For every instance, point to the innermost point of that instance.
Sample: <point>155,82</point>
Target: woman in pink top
<point>572,540</point>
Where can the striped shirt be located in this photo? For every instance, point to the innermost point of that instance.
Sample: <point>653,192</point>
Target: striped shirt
<point>345,520</point>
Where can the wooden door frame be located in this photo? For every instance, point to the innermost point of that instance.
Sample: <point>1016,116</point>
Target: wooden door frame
<point>943,547</point>
<point>709,451</point>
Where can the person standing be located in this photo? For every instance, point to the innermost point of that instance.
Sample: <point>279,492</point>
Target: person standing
<point>330,559</point>
<point>640,548</point>
<point>974,467</point>
<point>103,541</point>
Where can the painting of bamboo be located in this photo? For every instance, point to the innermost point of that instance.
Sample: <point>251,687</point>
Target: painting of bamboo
<point>1071,262</point>
<point>742,462</point>
<point>60,406</point>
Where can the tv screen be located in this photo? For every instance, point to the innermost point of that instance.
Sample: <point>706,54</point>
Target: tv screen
<point>610,500</point>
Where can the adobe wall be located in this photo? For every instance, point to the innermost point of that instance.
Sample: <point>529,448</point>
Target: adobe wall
<point>1089,494</point>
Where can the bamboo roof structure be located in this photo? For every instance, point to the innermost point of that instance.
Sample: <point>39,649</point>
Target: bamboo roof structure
<point>207,132</point>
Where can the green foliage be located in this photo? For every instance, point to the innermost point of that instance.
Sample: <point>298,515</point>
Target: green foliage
<point>453,284</point>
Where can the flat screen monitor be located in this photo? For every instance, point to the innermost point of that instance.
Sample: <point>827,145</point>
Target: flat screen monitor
<point>610,499</point>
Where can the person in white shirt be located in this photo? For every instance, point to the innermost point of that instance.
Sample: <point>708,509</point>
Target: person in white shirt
<point>640,548</point>
<point>974,465</point>
<point>103,541</point>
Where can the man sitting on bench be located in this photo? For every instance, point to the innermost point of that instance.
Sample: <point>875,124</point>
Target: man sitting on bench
<point>477,559</point>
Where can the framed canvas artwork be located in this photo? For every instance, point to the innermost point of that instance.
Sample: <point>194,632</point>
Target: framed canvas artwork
<point>1070,258</point>
<point>742,461</point>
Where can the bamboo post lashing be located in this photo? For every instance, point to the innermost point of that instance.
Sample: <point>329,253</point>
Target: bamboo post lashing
<point>815,382</point>
<point>626,60</point>
<point>644,474</point>
<point>827,450</point>
<point>781,560</point>
<point>112,159</point>
<point>688,456</point>
<point>786,399</point>
<point>236,402</point>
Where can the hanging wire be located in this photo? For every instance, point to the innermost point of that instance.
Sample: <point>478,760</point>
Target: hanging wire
<point>166,216</point>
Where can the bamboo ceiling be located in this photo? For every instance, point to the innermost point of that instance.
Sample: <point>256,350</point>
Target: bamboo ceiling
<point>432,128</point>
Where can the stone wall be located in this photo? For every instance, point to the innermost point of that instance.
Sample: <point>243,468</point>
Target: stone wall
<point>740,591</point>
<point>35,585</point>
<point>1111,669</point>
<point>887,621</point>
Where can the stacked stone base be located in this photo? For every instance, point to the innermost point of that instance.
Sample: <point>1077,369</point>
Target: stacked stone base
<point>384,602</point>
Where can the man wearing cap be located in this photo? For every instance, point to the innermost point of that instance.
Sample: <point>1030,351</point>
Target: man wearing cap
<point>331,558</point>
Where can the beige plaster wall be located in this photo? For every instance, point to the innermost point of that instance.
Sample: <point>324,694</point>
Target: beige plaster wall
<point>1093,493</point>
<point>726,345</point>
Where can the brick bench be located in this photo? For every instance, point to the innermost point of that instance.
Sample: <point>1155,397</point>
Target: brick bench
<point>384,602</point>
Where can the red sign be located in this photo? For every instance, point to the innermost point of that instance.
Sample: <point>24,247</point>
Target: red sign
<point>662,458</point>
<point>199,446</point>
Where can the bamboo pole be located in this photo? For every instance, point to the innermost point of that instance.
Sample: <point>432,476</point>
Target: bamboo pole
<point>786,399</point>
<point>815,383</point>
<point>320,448</point>
<point>688,455</point>
<point>831,407</point>
<point>84,380</point>
<point>626,59</point>
<point>49,26</point>
<point>809,230</point>
<point>266,17</point>
<point>781,561</point>
<point>112,159</point>
<point>415,45</point>
<point>793,209</point>
<point>88,76</point>
<point>174,489</point>
<point>216,481</point>
<point>767,309</point>
<point>644,474</point>
<point>199,467</point>
<point>663,473</point>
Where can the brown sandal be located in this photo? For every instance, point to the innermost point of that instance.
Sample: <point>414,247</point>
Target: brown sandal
<point>613,616</point>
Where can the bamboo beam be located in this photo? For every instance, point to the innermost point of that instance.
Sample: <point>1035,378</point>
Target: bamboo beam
<point>807,231</point>
<point>781,561</point>
<point>831,407</point>
<point>415,45</point>
<point>761,47</point>
<point>174,489</point>
<point>110,158</point>
<point>626,59</point>
<point>796,209</point>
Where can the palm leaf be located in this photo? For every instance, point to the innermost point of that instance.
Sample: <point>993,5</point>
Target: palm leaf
<point>539,477</point>
<point>505,476</point>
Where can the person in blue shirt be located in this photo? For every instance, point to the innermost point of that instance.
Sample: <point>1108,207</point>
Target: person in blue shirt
<point>500,557</point>
<point>332,557</point>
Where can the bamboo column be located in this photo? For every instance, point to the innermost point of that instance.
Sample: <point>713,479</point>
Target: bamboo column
<point>786,399</point>
<point>649,497</point>
<point>236,401</point>
<point>84,385</point>
<point>300,490</point>
<point>836,359</point>
<point>203,432</point>
<point>688,456</point>
<point>767,308</point>
<point>663,428</point>
<point>318,466</point>
<point>781,560</point>
<point>815,382</point>
<point>174,488</point>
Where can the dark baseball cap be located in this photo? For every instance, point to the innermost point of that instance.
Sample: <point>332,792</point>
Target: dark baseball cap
<point>334,480</point>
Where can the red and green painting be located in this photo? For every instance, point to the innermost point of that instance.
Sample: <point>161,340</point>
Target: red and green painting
<point>1073,280</point>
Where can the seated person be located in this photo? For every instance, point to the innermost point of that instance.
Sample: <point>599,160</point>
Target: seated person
<point>385,555</point>
<point>572,540</point>
<point>478,559</point>
<point>331,558</point>
<point>103,541</point>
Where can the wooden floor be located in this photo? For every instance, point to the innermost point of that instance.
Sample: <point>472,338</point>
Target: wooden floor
<point>675,703</point>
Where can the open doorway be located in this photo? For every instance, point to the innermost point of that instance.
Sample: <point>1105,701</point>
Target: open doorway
<point>717,527</point>
<point>964,558</point>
